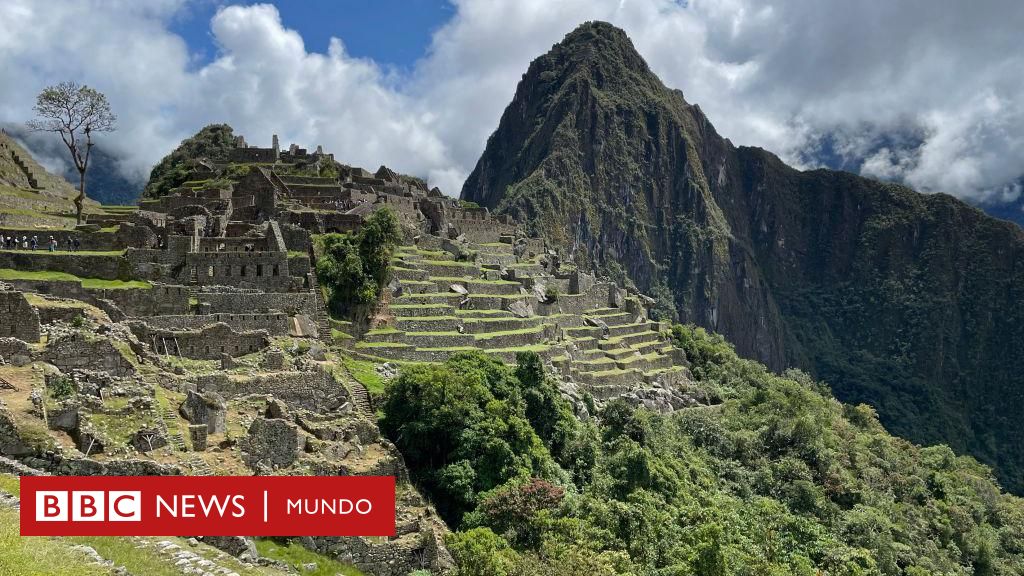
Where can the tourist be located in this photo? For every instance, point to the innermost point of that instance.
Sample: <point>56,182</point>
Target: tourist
<point>24,242</point>
<point>35,242</point>
<point>75,244</point>
<point>53,244</point>
<point>69,243</point>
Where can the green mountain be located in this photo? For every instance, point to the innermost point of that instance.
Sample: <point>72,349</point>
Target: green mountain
<point>905,301</point>
<point>213,141</point>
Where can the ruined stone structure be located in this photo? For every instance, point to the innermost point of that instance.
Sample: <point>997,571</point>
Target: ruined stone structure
<point>202,335</point>
<point>17,318</point>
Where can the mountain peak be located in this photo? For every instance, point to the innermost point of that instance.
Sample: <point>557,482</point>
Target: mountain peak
<point>601,44</point>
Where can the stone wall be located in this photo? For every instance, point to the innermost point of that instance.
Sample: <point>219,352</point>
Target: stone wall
<point>313,389</point>
<point>263,270</point>
<point>127,235</point>
<point>206,343</point>
<point>18,319</point>
<point>274,323</point>
<point>77,350</point>
<point>230,302</point>
<point>81,265</point>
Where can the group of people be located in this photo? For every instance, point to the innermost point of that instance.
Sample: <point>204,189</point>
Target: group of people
<point>32,243</point>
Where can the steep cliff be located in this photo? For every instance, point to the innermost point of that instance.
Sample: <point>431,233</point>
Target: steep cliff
<point>909,302</point>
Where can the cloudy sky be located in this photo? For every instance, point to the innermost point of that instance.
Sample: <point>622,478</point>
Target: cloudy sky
<point>927,92</point>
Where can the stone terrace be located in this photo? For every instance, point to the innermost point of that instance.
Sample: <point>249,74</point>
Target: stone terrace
<point>608,348</point>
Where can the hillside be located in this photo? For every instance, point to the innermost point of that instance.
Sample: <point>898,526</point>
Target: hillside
<point>904,301</point>
<point>31,196</point>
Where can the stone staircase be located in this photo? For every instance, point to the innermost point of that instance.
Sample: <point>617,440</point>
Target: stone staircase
<point>198,466</point>
<point>174,436</point>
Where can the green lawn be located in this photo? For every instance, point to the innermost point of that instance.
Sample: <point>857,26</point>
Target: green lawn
<point>365,372</point>
<point>297,555</point>
<point>8,274</point>
<point>42,250</point>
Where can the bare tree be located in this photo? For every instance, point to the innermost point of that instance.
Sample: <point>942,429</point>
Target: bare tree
<point>75,112</point>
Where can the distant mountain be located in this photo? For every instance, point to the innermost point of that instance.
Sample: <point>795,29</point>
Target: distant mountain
<point>909,302</point>
<point>105,182</point>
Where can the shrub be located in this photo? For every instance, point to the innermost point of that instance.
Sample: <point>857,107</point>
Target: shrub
<point>355,267</point>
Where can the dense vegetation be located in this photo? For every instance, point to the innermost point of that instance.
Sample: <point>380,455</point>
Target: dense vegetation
<point>354,267</point>
<point>212,141</point>
<point>907,302</point>
<point>780,478</point>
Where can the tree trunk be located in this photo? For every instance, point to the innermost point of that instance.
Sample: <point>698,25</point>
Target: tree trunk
<point>80,199</point>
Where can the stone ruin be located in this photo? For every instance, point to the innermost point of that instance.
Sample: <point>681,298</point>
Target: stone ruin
<point>205,359</point>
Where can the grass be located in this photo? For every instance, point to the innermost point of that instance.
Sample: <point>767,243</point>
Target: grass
<point>454,279</point>
<point>366,374</point>
<point>8,274</point>
<point>42,555</point>
<point>42,250</point>
<point>296,555</point>
<point>10,484</point>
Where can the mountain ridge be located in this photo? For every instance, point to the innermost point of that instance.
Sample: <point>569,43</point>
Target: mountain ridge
<point>896,298</point>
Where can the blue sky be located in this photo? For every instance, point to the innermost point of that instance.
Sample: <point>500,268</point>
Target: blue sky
<point>394,33</point>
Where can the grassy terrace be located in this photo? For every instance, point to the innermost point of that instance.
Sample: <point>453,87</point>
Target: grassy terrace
<point>464,280</point>
<point>8,274</point>
<point>42,250</point>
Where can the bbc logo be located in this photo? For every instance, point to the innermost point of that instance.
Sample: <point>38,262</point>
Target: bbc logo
<point>88,506</point>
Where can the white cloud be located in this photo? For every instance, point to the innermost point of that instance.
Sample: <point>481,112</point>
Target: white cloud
<point>905,90</point>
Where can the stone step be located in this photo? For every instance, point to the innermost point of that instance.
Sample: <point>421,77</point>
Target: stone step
<point>483,314</point>
<point>403,273</point>
<point>198,466</point>
<point>510,339</point>
<point>595,365</point>
<point>629,340</point>
<point>360,397</point>
<point>446,339</point>
<point>585,343</point>
<point>646,362</point>
<point>497,287</point>
<point>624,329</point>
<point>493,248</point>
<point>420,309</point>
<point>622,353</point>
<point>418,286</point>
<point>501,324</point>
<point>496,260</point>
<point>609,383</point>
<point>615,318</point>
<point>450,268</point>
<point>428,323</point>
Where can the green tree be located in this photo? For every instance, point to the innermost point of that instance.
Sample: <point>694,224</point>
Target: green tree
<point>354,267</point>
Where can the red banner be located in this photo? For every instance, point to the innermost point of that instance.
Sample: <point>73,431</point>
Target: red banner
<point>207,506</point>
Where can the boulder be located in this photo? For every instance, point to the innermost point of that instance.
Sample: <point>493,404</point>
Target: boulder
<point>276,408</point>
<point>234,545</point>
<point>205,408</point>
